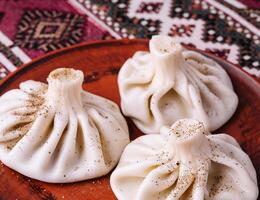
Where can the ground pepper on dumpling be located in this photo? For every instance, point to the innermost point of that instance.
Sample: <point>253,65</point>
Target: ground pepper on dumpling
<point>169,83</point>
<point>184,162</point>
<point>58,132</point>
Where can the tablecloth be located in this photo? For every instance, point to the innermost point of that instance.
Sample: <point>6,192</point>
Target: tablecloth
<point>227,28</point>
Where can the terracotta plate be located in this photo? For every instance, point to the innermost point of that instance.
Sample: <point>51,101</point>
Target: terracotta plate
<point>100,62</point>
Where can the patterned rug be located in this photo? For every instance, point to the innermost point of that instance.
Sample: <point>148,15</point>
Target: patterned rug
<point>227,28</point>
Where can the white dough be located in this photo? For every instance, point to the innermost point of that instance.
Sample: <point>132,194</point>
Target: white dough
<point>58,132</point>
<point>184,162</point>
<point>170,83</point>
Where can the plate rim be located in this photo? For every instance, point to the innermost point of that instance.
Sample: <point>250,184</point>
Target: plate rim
<point>11,75</point>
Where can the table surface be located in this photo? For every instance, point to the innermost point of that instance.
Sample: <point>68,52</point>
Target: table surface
<point>228,28</point>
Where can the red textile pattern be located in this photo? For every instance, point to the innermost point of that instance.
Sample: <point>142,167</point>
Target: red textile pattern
<point>29,28</point>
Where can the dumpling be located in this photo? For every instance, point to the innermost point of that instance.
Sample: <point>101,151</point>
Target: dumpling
<point>184,162</point>
<point>58,132</point>
<point>170,83</point>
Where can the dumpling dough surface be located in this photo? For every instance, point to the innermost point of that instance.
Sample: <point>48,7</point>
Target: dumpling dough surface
<point>184,162</point>
<point>58,132</point>
<point>170,83</point>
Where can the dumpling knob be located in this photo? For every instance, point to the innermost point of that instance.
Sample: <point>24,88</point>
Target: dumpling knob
<point>65,79</point>
<point>64,83</point>
<point>187,137</point>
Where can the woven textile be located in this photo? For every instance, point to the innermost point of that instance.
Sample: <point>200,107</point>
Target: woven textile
<point>227,28</point>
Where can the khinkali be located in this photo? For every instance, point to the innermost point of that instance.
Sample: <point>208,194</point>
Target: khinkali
<point>184,162</point>
<point>58,132</point>
<point>170,83</point>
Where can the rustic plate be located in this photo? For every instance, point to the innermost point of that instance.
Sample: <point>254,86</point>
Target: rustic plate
<point>100,62</point>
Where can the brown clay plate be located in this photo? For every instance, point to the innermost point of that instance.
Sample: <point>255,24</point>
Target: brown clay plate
<point>100,62</point>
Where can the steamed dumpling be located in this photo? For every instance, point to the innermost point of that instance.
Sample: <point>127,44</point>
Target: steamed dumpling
<point>184,162</point>
<point>58,132</point>
<point>170,83</point>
